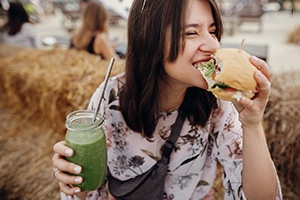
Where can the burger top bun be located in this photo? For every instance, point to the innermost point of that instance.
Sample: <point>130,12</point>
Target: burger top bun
<point>236,69</point>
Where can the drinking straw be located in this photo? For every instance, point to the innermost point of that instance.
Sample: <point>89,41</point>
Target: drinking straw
<point>112,60</point>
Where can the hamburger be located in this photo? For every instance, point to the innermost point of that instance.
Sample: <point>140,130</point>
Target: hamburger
<point>230,74</point>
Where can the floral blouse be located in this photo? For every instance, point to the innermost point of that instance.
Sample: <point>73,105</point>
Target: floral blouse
<point>193,163</point>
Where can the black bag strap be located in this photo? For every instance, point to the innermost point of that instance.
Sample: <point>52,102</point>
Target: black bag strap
<point>169,144</point>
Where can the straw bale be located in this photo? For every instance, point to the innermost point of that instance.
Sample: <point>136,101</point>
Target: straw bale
<point>294,35</point>
<point>26,152</point>
<point>283,130</point>
<point>38,89</point>
<point>52,83</point>
<point>218,188</point>
<point>8,50</point>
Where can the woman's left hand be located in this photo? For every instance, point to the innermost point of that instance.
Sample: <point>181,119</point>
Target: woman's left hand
<point>252,110</point>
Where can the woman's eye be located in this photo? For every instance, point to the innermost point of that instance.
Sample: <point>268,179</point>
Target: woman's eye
<point>190,33</point>
<point>213,32</point>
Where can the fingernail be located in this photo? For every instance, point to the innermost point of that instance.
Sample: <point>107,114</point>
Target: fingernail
<point>254,58</point>
<point>69,152</point>
<point>77,169</point>
<point>77,191</point>
<point>78,180</point>
<point>259,74</point>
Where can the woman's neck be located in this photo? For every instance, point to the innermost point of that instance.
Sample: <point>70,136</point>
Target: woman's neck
<point>171,97</point>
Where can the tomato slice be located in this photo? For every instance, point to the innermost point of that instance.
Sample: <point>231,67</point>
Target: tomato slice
<point>230,89</point>
<point>213,76</point>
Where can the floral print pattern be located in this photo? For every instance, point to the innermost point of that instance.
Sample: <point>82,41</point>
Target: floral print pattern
<point>193,163</point>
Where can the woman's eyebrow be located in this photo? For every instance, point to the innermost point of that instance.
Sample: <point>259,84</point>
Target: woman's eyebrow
<point>213,24</point>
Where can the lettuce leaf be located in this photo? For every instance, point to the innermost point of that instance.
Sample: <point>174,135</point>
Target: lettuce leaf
<point>210,66</point>
<point>220,85</point>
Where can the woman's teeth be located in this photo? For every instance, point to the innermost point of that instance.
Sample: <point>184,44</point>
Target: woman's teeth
<point>196,65</point>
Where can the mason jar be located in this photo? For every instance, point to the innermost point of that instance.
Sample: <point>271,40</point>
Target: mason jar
<point>86,137</point>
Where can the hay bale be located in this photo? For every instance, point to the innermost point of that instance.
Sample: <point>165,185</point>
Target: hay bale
<point>218,189</point>
<point>283,130</point>
<point>38,89</point>
<point>8,50</point>
<point>51,83</point>
<point>26,152</point>
<point>294,35</point>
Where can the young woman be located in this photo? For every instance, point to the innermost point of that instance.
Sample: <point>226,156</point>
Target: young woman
<point>18,29</point>
<point>92,36</point>
<point>166,39</point>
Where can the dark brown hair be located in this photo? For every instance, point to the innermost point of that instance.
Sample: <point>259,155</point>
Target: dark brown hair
<point>17,16</point>
<point>147,27</point>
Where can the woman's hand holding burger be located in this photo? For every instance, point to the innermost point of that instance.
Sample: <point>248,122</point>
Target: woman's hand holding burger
<point>234,75</point>
<point>252,110</point>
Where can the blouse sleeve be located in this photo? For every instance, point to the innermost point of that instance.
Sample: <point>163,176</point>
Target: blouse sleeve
<point>94,101</point>
<point>228,151</point>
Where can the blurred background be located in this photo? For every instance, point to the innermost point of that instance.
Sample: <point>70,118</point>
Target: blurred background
<point>40,86</point>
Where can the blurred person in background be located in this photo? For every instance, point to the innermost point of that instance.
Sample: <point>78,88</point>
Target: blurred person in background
<point>48,7</point>
<point>92,35</point>
<point>83,3</point>
<point>34,10</point>
<point>18,30</point>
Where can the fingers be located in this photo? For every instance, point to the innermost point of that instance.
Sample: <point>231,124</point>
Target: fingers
<point>263,84</point>
<point>63,168</point>
<point>262,66</point>
<point>263,76</point>
<point>246,104</point>
<point>61,149</point>
<point>251,110</point>
<point>64,165</point>
<point>266,87</point>
<point>68,189</point>
<point>67,179</point>
<point>261,98</point>
<point>59,161</point>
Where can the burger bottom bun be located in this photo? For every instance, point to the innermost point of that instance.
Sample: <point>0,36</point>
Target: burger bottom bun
<point>230,95</point>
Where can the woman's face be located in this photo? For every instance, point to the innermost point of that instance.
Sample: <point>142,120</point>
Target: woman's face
<point>200,44</point>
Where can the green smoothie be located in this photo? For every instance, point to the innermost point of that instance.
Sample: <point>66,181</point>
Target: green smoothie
<point>89,145</point>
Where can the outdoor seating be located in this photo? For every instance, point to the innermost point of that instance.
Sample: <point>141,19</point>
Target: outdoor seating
<point>251,14</point>
<point>234,14</point>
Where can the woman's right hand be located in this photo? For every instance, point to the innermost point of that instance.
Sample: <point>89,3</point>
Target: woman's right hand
<point>63,167</point>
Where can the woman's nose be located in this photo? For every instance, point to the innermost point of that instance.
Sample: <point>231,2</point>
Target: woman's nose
<point>209,43</point>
